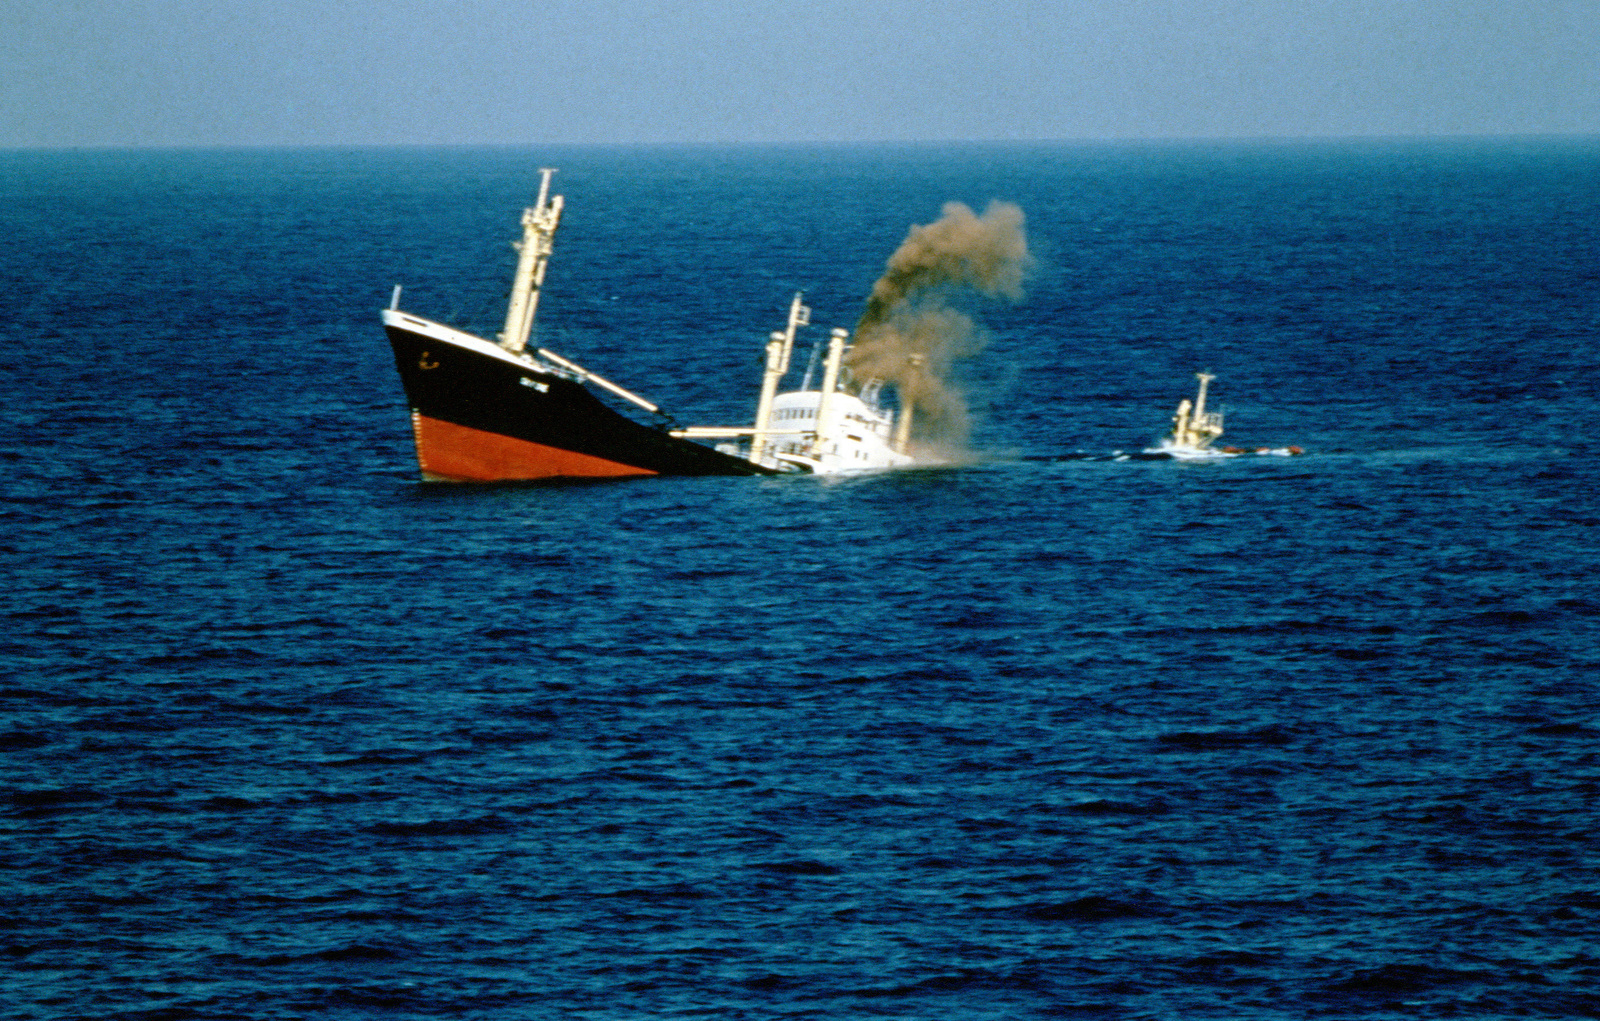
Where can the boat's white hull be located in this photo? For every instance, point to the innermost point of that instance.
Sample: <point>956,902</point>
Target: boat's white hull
<point>1180,452</point>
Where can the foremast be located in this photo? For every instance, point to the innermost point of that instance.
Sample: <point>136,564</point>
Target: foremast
<point>539,223</point>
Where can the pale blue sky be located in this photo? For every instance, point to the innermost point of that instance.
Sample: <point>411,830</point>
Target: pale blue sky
<point>350,72</point>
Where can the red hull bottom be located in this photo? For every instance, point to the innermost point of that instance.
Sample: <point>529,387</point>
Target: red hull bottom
<point>454,453</point>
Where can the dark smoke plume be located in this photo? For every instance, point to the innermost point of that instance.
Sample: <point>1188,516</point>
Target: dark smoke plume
<point>910,337</point>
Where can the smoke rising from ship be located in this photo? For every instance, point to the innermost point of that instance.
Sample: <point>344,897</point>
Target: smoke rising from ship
<point>909,335</point>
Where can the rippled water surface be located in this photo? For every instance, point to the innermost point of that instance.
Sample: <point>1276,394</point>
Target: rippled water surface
<point>286,733</point>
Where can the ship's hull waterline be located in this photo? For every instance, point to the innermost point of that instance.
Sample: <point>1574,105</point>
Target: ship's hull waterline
<point>479,414</point>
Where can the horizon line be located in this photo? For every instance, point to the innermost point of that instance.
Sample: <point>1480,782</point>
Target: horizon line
<point>802,143</point>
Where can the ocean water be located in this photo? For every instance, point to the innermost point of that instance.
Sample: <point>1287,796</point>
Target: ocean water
<point>286,733</point>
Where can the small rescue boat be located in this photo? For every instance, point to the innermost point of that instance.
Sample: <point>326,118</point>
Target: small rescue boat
<point>1194,430</point>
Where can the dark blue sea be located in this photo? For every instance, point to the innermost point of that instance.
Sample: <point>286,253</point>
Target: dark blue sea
<point>287,733</point>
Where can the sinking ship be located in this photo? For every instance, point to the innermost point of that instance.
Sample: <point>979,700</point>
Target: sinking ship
<point>1195,431</point>
<point>496,410</point>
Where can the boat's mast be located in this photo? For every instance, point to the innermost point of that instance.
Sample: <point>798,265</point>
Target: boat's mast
<point>539,223</point>
<point>778,350</point>
<point>1199,414</point>
<point>811,365</point>
<point>830,383</point>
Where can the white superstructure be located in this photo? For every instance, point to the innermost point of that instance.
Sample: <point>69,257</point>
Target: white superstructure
<point>1194,428</point>
<point>824,431</point>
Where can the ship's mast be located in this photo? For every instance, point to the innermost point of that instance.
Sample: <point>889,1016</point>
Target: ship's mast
<point>778,350</point>
<point>1192,426</point>
<point>539,223</point>
<point>830,383</point>
<point>1199,415</point>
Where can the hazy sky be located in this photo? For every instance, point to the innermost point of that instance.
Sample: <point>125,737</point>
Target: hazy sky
<point>276,72</point>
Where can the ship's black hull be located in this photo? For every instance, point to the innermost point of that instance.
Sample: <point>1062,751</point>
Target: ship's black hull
<point>479,415</point>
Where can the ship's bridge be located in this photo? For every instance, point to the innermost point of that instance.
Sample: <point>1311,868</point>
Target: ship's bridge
<point>857,435</point>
